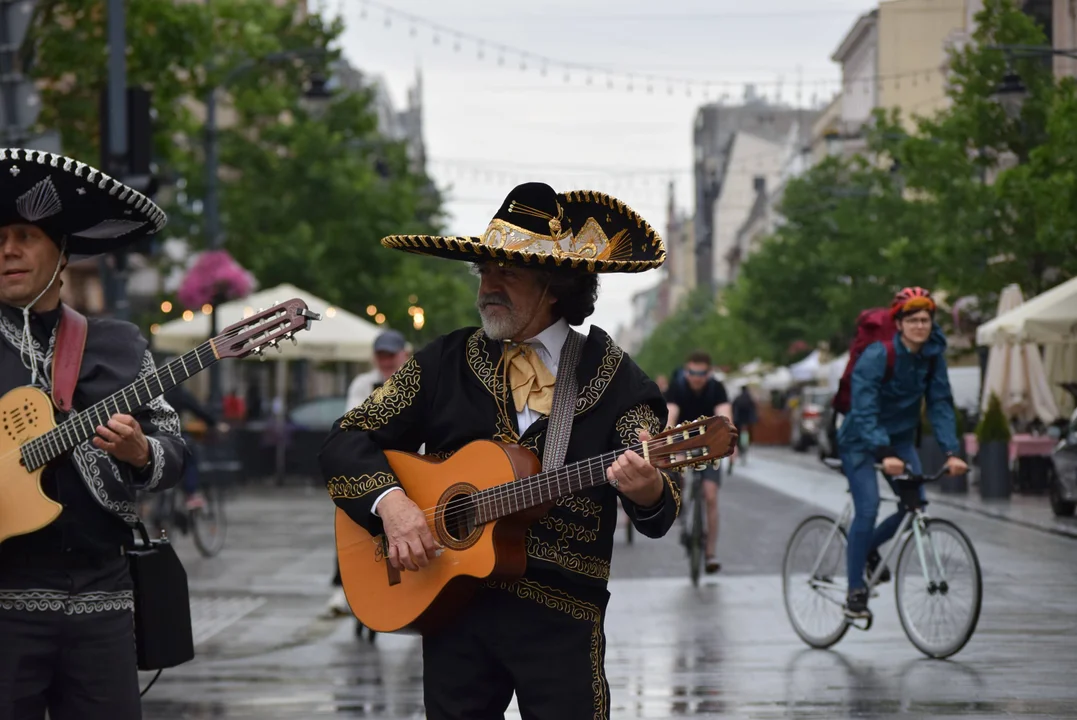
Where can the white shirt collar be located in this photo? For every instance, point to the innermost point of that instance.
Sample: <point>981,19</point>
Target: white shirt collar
<point>552,338</point>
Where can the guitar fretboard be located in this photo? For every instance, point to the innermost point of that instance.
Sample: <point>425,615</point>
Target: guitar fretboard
<point>82,426</point>
<point>502,500</point>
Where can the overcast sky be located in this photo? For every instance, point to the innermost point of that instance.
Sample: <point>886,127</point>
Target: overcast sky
<point>491,126</point>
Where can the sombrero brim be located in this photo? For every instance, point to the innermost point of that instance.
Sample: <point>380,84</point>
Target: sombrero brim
<point>473,249</point>
<point>71,200</point>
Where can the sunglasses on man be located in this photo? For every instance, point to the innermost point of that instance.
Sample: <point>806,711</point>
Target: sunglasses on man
<point>696,373</point>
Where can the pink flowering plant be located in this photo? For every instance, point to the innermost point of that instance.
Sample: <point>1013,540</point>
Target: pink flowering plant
<point>214,277</point>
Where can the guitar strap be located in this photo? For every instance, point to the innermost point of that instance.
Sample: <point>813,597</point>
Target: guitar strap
<point>563,406</point>
<point>67,357</point>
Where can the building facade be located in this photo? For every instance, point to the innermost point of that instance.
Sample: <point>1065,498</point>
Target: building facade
<point>752,162</point>
<point>715,126</point>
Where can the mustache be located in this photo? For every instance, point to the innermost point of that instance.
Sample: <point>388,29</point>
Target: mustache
<point>494,298</point>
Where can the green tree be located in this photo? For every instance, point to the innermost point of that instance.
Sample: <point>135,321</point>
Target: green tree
<point>305,197</point>
<point>848,240</point>
<point>700,324</point>
<point>1021,227</point>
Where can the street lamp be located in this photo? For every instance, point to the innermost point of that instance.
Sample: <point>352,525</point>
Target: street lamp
<point>211,201</point>
<point>1011,91</point>
<point>1010,94</point>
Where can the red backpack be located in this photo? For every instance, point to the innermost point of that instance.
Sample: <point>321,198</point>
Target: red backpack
<point>874,325</point>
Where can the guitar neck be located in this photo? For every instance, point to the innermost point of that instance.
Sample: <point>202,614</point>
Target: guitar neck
<point>82,426</point>
<point>497,502</point>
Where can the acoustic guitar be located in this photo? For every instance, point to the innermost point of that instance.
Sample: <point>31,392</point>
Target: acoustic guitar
<point>30,437</point>
<point>479,504</point>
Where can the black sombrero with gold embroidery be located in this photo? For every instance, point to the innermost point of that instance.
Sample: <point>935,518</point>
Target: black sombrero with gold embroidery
<point>73,202</point>
<point>581,230</point>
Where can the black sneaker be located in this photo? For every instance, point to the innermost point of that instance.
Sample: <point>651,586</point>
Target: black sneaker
<point>856,604</point>
<point>873,562</point>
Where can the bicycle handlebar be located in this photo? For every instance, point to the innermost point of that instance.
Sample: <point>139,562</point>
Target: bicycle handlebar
<point>918,478</point>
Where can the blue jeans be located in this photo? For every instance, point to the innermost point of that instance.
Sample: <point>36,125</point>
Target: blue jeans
<point>190,473</point>
<point>864,537</point>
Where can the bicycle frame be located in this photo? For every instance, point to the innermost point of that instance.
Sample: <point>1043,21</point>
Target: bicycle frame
<point>914,520</point>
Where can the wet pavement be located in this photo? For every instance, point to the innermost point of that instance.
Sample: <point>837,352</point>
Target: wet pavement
<point>724,649</point>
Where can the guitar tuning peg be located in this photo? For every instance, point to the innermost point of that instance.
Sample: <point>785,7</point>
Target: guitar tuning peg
<point>276,344</point>
<point>292,338</point>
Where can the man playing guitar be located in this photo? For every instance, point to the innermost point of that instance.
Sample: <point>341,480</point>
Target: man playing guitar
<point>541,635</point>
<point>67,641</point>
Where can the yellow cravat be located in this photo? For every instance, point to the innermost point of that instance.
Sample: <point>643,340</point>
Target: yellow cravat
<point>530,380</point>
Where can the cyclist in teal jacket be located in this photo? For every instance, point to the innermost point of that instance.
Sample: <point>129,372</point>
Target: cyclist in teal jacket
<point>881,427</point>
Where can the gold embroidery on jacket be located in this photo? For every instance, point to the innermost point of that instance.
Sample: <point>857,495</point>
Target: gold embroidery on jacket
<point>676,492</point>
<point>634,419</point>
<point>593,391</point>
<point>579,610</point>
<point>387,401</point>
<point>485,369</point>
<point>341,488</point>
<point>588,514</point>
<point>628,427</point>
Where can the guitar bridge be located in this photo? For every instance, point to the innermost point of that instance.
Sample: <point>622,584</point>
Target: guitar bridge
<point>382,554</point>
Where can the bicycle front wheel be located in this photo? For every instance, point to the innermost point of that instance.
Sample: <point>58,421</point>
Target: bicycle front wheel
<point>814,581</point>
<point>938,588</point>
<point>209,524</point>
<point>695,536</point>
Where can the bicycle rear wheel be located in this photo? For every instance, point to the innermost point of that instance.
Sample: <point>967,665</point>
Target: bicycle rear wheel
<point>814,581</point>
<point>938,588</point>
<point>209,524</point>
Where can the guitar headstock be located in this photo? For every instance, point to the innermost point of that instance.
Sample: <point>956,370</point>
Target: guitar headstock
<point>264,329</point>
<point>693,443</point>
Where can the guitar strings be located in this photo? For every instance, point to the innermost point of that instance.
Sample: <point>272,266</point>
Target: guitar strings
<point>551,476</point>
<point>462,505</point>
<point>174,365</point>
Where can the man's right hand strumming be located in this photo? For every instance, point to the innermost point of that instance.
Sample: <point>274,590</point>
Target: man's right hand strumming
<point>411,544</point>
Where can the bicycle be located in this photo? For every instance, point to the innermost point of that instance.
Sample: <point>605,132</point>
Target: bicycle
<point>207,525</point>
<point>823,575</point>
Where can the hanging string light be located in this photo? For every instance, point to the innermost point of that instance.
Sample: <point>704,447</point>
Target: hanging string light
<point>708,88</point>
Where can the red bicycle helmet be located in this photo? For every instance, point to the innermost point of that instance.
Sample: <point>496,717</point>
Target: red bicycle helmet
<point>911,299</point>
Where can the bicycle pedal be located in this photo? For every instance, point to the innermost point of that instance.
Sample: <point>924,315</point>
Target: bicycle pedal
<point>861,623</point>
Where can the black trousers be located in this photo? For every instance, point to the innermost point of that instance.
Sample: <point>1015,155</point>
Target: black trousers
<point>67,643</point>
<point>527,636</point>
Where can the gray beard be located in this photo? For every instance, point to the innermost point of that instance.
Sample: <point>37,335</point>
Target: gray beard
<point>502,328</point>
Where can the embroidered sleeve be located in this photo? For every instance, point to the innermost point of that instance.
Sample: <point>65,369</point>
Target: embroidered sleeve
<point>654,521</point>
<point>161,425</point>
<point>386,402</point>
<point>394,417</point>
<point>357,487</point>
<point>640,417</point>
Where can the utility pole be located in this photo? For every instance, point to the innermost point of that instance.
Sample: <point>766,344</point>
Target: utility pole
<point>19,100</point>
<point>114,155</point>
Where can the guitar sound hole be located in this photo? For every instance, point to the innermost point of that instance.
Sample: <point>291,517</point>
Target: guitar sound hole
<point>456,525</point>
<point>459,517</point>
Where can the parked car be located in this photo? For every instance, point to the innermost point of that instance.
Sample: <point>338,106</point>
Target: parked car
<point>807,417</point>
<point>1062,480</point>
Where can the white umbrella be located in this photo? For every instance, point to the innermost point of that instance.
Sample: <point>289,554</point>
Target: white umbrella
<point>806,369</point>
<point>339,335</point>
<point>1060,362</point>
<point>1050,317</point>
<point>1015,373</point>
